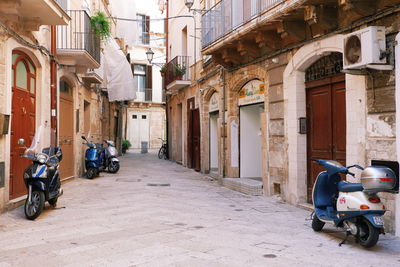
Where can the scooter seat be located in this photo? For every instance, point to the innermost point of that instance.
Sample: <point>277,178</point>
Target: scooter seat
<point>349,187</point>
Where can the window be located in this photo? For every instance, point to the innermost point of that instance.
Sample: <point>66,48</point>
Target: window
<point>144,117</point>
<point>144,29</point>
<point>142,77</point>
<point>134,116</point>
<point>139,77</point>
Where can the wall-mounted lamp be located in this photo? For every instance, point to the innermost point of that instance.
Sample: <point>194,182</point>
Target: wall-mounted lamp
<point>275,60</point>
<point>189,4</point>
<point>149,54</point>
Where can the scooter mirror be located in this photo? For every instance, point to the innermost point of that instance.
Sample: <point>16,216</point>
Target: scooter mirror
<point>21,141</point>
<point>83,137</point>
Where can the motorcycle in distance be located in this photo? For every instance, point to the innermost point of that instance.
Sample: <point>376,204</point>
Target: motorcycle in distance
<point>356,207</point>
<point>42,179</point>
<point>98,158</point>
<point>111,161</point>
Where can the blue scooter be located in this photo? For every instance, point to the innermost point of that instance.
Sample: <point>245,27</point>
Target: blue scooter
<point>355,207</point>
<point>94,158</point>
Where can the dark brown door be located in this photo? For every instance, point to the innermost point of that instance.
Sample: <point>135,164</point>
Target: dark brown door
<point>196,139</point>
<point>326,114</point>
<point>22,118</point>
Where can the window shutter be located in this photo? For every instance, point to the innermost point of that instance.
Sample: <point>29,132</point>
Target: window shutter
<point>149,76</point>
<point>147,24</point>
<point>133,69</point>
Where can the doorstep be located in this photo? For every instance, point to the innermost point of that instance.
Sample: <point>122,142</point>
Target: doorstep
<point>248,186</point>
<point>16,202</point>
<point>306,206</point>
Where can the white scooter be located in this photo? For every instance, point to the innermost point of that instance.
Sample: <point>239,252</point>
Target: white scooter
<point>355,207</point>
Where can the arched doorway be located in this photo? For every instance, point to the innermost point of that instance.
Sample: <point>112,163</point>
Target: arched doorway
<point>213,109</point>
<point>23,116</point>
<point>66,129</point>
<point>326,114</point>
<point>251,106</point>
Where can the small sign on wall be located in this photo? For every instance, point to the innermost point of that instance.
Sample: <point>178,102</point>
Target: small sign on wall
<point>302,125</point>
<point>4,123</point>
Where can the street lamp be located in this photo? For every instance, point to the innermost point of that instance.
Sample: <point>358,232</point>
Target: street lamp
<point>149,54</point>
<point>189,4</point>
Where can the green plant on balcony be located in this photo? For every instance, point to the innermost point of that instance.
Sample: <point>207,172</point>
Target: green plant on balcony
<point>100,25</point>
<point>125,145</point>
<point>179,71</point>
<point>163,69</point>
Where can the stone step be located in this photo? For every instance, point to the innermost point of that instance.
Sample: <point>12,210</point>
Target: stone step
<point>246,186</point>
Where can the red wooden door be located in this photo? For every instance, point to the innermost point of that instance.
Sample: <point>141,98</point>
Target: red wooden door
<point>66,134</point>
<point>326,114</point>
<point>22,118</point>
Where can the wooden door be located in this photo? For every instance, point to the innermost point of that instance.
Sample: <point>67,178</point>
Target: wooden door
<point>326,116</point>
<point>195,139</point>
<point>22,118</point>
<point>66,130</point>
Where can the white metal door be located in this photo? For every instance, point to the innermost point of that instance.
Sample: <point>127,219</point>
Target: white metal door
<point>139,128</point>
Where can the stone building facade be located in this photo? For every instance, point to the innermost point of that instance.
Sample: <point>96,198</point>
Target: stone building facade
<point>49,87</point>
<point>303,103</point>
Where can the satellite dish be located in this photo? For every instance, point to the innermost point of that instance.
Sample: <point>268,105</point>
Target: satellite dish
<point>352,49</point>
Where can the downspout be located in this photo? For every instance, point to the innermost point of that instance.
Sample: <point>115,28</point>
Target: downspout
<point>397,99</point>
<point>164,85</point>
<point>53,88</point>
<point>223,124</point>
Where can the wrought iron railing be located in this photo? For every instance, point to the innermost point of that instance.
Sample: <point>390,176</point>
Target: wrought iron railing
<point>148,94</point>
<point>79,35</point>
<point>176,65</point>
<point>228,15</point>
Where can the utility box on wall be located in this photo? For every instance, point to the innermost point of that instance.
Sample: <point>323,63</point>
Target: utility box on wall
<point>4,123</point>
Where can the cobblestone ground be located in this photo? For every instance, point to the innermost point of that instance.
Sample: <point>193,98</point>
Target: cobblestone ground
<point>187,220</point>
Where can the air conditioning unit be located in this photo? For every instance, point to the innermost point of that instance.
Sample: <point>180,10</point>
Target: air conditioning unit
<point>365,48</point>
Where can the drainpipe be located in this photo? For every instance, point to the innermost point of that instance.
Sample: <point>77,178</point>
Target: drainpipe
<point>397,97</point>
<point>224,127</point>
<point>165,86</point>
<point>53,88</point>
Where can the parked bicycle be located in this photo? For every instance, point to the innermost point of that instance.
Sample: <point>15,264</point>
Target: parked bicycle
<point>163,152</point>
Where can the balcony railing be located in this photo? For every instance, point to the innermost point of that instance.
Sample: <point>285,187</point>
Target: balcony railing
<point>228,15</point>
<point>177,62</point>
<point>79,35</point>
<point>148,94</point>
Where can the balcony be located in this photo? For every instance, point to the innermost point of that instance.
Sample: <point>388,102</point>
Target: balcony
<point>236,32</point>
<point>229,15</point>
<point>34,13</point>
<point>174,81</point>
<point>144,95</point>
<point>77,44</point>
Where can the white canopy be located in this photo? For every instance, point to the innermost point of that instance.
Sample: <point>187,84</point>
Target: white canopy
<point>118,73</point>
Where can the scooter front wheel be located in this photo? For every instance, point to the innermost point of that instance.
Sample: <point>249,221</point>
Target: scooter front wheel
<point>113,167</point>
<point>368,235</point>
<point>35,207</point>
<point>91,173</point>
<point>317,224</point>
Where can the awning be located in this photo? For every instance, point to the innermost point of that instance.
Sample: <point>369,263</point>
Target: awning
<point>118,73</point>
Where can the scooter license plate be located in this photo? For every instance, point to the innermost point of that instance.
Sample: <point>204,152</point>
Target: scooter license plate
<point>378,220</point>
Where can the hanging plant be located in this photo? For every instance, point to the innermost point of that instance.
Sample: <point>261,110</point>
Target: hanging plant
<point>100,25</point>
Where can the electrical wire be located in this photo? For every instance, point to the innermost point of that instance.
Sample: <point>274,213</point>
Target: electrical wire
<point>158,19</point>
<point>23,41</point>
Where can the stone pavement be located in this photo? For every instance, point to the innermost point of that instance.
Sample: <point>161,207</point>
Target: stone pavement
<point>157,213</point>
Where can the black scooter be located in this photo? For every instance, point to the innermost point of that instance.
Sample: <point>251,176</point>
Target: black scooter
<point>42,180</point>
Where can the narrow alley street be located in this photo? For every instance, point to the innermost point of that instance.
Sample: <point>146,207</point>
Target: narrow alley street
<point>157,213</point>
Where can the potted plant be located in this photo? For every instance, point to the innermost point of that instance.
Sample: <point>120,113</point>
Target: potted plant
<point>100,25</point>
<point>179,71</point>
<point>125,145</point>
<point>163,70</point>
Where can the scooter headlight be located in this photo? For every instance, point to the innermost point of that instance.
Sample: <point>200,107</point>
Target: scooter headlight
<point>41,158</point>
